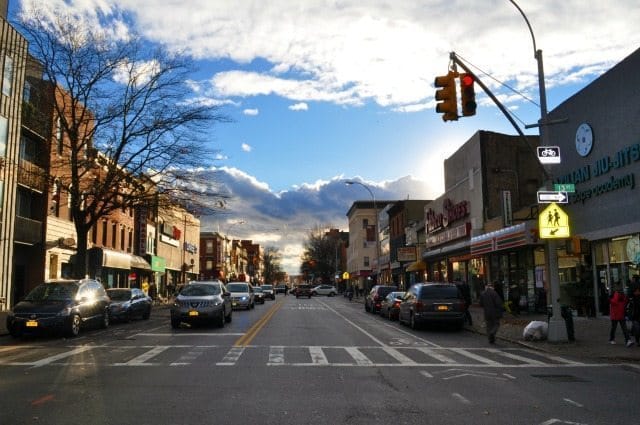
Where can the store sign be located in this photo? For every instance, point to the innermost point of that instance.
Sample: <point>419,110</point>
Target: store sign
<point>449,235</point>
<point>436,221</point>
<point>406,254</point>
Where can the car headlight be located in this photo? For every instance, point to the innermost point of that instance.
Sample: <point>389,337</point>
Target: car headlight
<point>244,298</point>
<point>216,303</point>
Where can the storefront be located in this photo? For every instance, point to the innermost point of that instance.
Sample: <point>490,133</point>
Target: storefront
<point>114,268</point>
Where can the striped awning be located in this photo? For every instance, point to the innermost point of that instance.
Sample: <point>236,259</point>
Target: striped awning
<point>509,237</point>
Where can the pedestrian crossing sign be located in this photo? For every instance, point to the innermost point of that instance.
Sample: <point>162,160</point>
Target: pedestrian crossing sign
<point>553,223</point>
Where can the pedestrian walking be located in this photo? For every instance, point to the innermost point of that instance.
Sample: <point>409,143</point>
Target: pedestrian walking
<point>634,313</point>
<point>617,304</point>
<point>493,310</point>
<point>465,291</point>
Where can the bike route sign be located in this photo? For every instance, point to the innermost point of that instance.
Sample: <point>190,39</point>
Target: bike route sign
<point>549,154</point>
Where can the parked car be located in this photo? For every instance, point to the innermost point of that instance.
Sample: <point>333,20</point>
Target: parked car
<point>60,305</point>
<point>269,291</point>
<point>303,291</point>
<point>202,302</point>
<point>127,303</point>
<point>376,295</point>
<point>432,302</point>
<point>327,290</point>
<point>242,295</point>
<point>390,305</point>
<point>258,294</point>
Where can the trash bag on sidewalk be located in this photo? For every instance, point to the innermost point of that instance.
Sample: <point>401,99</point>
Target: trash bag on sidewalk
<point>536,331</point>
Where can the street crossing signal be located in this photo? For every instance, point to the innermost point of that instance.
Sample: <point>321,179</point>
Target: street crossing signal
<point>468,95</point>
<point>447,97</point>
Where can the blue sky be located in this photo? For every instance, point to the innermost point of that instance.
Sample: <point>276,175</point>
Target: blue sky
<point>323,91</point>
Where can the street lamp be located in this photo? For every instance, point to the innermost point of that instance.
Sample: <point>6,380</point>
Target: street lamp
<point>557,329</point>
<point>373,197</point>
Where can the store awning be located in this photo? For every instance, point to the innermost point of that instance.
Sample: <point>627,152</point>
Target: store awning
<point>138,262</point>
<point>417,266</point>
<point>508,237</point>
<point>121,260</point>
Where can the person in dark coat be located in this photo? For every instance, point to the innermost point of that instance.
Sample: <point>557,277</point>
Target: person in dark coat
<point>465,291</point>
<point>492,305</point>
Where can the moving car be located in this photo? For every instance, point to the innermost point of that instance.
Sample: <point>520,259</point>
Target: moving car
<point>242,295</point>
<point>258,294</point>
<point>127,303</point>
<point>281,289</point>
<point>60,305</point>
<point>327,290</point>
<point>202,302</point>
<point>390,305</point>
<point>303,291</point>
<point>432,302</point>
<point>269,291</point>
<point>376,295</point>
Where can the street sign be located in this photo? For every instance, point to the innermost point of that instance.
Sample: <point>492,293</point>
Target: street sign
<point>553,223</point>
<point>565,187</point>
<point>549,154</point>
<point>549,196</point>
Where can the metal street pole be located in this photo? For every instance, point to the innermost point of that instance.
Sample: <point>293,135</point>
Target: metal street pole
<point>375,207</point>
<point>557,328</point>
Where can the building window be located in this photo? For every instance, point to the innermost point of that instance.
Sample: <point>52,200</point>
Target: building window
<point>94,234</point>
<point>209,247</point>
<point>55,198</point>
<point>7,76</point>
<point>365,223</point>
<point>122,238</point>
<point>4,135</point>
<point>104,233</point>
<point>59,135</point>
<point>209,265</point>
<point>366,261</point>
<point>130,241</point>
<point>114,234</point>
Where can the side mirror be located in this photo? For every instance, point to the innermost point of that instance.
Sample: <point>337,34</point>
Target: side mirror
<point>226,294</point>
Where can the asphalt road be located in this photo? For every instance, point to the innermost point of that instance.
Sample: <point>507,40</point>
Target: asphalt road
<point>300,361</point>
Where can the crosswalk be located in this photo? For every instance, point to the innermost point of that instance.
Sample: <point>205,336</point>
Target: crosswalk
<point>278,356</point>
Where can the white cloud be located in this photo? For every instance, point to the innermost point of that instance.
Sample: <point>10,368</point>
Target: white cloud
<point>138,73</point>
<point>299,107</point>
<point>354,51</point>
<point>251,112</point>
<point>246,147</point>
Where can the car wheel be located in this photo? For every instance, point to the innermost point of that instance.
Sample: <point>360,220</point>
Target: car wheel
<point>175,323</point>
<point>73,327</point>
<point>222,319</point>
<point>389,314</point>
<point>14,331</point>
<point>128,316</point>
<point>104,324</point>
<point>229,316</point>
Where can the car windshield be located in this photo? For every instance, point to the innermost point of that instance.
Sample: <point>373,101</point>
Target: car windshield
<point>257,289</point>
<point>395,295</point>
<point>200,290</point>
<point>119,294</point>
<point>439,292</point>
<point>53,292</point>
<point>267,286</point>
<point>238,287</point>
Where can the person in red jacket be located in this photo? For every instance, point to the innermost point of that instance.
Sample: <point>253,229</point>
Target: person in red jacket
<point>617,304</point>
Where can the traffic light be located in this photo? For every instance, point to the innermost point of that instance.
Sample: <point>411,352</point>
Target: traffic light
<point>467,95</point>
<point>446,93</point>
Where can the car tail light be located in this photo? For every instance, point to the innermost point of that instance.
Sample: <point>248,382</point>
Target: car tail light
<point>419,306</point>
<point>396,303</point>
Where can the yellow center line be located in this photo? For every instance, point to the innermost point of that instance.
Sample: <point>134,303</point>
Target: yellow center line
<point>246,339</point>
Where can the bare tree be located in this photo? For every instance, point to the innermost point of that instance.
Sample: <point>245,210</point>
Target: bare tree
<point>126,130</point>
<point>271,259</point>
<point>318,258</point>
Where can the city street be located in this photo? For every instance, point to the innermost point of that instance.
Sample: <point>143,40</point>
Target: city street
<point>302,361</point>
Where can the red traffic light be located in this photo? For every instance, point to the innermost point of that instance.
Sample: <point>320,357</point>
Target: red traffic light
<point>466,80</point>
<point>467,95</point>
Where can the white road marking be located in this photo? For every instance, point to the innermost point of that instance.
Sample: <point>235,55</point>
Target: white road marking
<point>276,355</point>
<point>475,357</point>
<point>575,403</point>
<point>461,398</point>
<point>399,356</point>
<point>189,334</point>
<point>402,331</point>
<point>433,353</point>
<point>52,359</point>
<point>359,357</point>
<point>426,374</point>
<point>515,356</point>
<point>141,360</point>
<point>318,356</point>
<point>232,356</point>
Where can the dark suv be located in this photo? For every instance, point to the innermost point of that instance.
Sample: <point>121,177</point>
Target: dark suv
<point>303,291</point>
<point>432,302</point>
<point>62,305</point>
<point>376,295</point>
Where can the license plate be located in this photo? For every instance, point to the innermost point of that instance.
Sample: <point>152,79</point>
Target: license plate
<point>442,308</point>
<point>193,313</point>
<point>32,324</point>
<point>234,304</point>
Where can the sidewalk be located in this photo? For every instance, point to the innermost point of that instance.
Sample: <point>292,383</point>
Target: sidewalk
<point>591,337</point>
